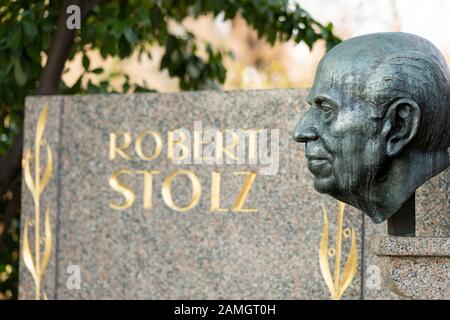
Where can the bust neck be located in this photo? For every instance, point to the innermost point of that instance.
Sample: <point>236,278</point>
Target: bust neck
<point>405,174</point>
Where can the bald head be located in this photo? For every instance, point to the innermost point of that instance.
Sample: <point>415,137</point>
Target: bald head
<point>376,69</point>
<point>379,122</point>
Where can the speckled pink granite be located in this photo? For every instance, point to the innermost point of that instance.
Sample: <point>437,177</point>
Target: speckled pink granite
<point>159,253</point>
<point>415,268</point>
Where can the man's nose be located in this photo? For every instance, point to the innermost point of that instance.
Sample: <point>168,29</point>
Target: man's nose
<point>306,129</point>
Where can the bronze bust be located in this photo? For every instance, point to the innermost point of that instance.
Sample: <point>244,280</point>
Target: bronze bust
<point>379,123</point>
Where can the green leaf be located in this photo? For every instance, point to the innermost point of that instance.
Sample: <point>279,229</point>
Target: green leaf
<point>85,62</point>
<point>130,35</point>
<point>97,70</point>
<point>194,72</point>
<point>15,38</point>
<point>30,28</point>
<point>19,72</point>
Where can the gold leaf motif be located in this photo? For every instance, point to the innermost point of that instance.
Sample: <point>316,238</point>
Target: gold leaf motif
<point>41,127</point>
<point>48,169</point>
<point>36,187</point>
<point>323,256</point>
<point>338,285</point>
<point>48,242</point>
<point>26,171</point>
<point>350,266</point>
<point>26,253</point>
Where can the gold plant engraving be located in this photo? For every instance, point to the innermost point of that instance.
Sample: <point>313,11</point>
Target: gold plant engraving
<point>35,265</point>
<point>338,285</point>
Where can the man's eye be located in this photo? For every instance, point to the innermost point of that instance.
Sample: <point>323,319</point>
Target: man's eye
<point>327,111</point>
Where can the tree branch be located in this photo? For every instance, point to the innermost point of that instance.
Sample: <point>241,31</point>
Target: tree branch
<point>60,47</point>
<point>57,55</point>
<point>10,163</point>
<point>11,210</point>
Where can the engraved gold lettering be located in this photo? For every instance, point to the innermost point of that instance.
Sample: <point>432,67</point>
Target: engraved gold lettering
<point>127,193</point>
<point>172,142</point>
<point>114,149</point>
<point>158,145</point>
<point>167,190</point>
<point>148,186</point>
<point>198,142</point>
<point>215,192</point>
<point>240,200</point>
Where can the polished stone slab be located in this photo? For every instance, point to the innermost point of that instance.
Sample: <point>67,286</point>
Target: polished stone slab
<point>415,267</point>
<point>201,253</point>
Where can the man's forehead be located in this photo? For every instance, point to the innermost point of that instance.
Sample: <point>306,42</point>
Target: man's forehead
<point>351,67</point>
<point>337,82</point>
<point>343,75</point>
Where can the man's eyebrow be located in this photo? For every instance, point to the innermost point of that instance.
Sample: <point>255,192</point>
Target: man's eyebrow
<point>321,98</point>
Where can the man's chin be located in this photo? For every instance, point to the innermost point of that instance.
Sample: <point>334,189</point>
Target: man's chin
<point>325,184</point>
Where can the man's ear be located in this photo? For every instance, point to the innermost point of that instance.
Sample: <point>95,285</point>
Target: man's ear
<point>400,125</point>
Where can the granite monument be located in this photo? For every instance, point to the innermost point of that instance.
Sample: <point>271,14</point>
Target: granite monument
<point>140,204</point>
<point>204,195</point>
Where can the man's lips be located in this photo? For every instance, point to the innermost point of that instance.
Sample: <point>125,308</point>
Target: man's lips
<point>319,167</point>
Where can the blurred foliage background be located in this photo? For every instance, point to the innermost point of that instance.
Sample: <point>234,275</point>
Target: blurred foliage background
<point>39,55</point>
